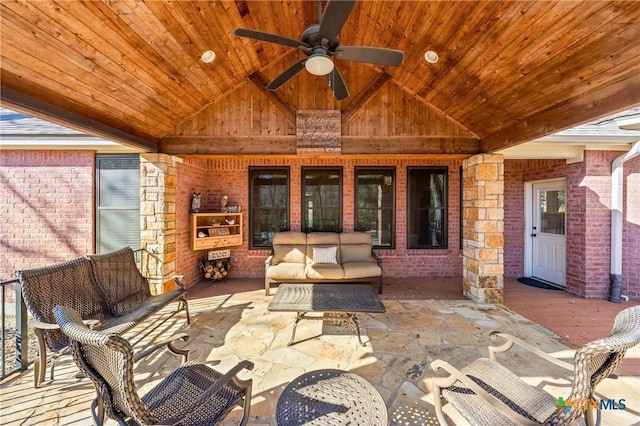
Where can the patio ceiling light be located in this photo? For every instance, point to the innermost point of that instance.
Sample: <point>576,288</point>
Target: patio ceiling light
<point>208,56</point>
<point>319,64</point>
<point>431,56</point>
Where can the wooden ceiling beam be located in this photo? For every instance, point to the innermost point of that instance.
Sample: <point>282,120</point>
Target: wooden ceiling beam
<point>229,145</point>
<point>286,145</point>
<point>590,106</point>
<point>361,100</point>
<point>286,107</point>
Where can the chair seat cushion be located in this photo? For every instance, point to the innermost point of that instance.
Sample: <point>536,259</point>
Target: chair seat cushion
<point>521,397</point>
<point>286,271</point>
<point>324,271</point>
<point>361,270</point>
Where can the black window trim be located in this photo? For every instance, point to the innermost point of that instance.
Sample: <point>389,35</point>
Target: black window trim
<point>445,228</point>
<point>253,169</point>
<point>303,214</point>
<point>392,169</point>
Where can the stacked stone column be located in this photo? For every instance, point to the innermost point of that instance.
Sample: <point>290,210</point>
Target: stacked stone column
<point>158,175</point>
<point>483,228</point>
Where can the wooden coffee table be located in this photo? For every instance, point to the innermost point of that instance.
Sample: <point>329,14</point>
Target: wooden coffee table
<point>346,299</point>
<point>331,397</point>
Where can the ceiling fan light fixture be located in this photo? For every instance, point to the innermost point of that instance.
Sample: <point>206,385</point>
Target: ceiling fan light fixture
<point>208,56</point>
<point>431,56</point>
<point>319,64</point>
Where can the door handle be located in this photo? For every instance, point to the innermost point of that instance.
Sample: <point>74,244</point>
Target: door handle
<point>534,235</point>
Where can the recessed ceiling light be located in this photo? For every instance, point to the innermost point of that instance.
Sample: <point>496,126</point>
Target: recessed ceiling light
<point>208,56</point>
<point>431,56</point>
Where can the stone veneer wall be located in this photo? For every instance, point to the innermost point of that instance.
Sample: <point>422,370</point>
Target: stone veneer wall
<point>483,228</point>
<point>158,176</point>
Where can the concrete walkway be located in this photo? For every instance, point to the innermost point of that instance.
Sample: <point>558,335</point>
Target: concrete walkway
<point>423,322</point>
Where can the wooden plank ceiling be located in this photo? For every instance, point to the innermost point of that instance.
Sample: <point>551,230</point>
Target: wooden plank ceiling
<point>508,72</point>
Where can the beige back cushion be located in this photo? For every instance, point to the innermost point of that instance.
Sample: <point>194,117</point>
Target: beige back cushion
<point>289,247</point>
<point>322,239</point>
<point>355,247</point>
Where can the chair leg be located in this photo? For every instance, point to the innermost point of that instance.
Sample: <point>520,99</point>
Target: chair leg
<point>97,411</point>
<point>40,364</point>
<point>247,385</point>
<point>183,301</point>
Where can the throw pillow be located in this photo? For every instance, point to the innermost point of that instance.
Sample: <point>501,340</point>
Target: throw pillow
<point>324,254</point>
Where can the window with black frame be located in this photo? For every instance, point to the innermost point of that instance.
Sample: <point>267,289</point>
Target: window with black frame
<point>321,199</point>
<point>268,204</point>
<point>375,204</point>
<point>427,207</point>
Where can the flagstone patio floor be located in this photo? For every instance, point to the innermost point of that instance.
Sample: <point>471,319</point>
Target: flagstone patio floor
<point>425,319</point>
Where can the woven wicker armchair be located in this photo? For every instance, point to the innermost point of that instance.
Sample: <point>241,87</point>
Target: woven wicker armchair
<point>194,394</point>
<point>485,392</point>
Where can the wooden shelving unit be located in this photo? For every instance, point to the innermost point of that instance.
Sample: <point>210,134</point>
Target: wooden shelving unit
<point>215,230</point>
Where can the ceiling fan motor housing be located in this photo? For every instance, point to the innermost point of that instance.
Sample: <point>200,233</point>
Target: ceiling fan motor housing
<point>311,36</point>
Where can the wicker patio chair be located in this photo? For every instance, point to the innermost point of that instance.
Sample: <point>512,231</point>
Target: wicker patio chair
<point>486,393</point>
<point>193,394</point>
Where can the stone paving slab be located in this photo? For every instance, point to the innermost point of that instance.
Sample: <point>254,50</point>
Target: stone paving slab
<point>402,342</point>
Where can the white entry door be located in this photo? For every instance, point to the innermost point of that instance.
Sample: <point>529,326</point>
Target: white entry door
<point>549,243</point>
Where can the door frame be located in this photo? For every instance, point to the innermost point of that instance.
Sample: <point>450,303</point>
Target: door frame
<point>528,219</point>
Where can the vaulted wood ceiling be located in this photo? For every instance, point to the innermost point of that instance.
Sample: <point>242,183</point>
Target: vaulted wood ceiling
<point>508,72</point>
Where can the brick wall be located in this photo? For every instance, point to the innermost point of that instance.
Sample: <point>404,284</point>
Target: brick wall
<point>47,208</point>
<point>215,178</point>
<point>588,220</point>
<point>631,230</point>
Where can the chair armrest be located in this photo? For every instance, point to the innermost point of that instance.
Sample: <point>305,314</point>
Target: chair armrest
<point>375,256</point>
<point>457,375</point>
<point>177,279</point>
<point>268,260</point>
<point>211,390</point>
<point>48,326</point>
<point>169,343</point>
<point>511,340</point>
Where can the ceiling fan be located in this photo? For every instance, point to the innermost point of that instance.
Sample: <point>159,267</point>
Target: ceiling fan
<point>320,43</point>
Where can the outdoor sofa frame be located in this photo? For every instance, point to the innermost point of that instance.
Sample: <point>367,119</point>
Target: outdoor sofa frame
<point>108,290</point>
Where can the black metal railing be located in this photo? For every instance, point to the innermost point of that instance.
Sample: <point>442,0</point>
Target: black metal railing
<point>15,340</point>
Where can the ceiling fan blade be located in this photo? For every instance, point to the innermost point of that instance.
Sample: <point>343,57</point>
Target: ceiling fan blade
<point>286,75</point>
<point>335,15</point>
<point>337,85</point>
<point>371,55</point>
<point>272,38</point>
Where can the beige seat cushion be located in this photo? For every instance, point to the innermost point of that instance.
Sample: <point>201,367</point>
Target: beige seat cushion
<point>287,271</point>
<point>324,271</point>
<point>361,270</point>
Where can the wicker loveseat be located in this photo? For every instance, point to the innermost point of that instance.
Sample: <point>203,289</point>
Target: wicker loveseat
<point>322,257</point>
<point>107,290</point>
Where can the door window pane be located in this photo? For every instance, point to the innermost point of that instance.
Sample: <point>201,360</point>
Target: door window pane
<point>375,204</point>
<point>552,210</point>
<point>427,207</point>
<point>321,199</point>
<point>269,204</point>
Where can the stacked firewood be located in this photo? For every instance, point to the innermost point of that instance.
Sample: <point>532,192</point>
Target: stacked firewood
<point>215,269</point>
